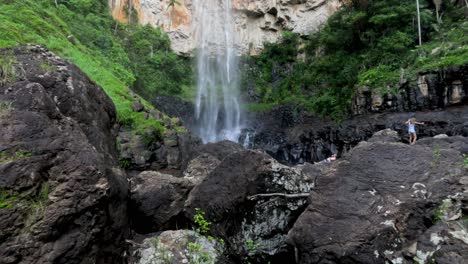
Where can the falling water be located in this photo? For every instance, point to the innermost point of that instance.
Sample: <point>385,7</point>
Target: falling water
<point>217,103</point>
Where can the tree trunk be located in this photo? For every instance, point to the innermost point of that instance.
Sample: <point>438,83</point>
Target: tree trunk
<point>438,4</point>
<point>419,22</point>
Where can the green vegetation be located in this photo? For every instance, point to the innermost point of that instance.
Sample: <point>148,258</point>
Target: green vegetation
<point>202,225</point>
<point>46,66</point>
<point>5,108</point>
<point>366,43</point>
<point>439,213</point>
<point>435,156</point>
<point>465,160</point>
<point>161,253</point>
<point>19,154</point>
<point>124,163</point>
<point>36,206</point>
<point>7,69</point>
<point>117,56</point>
<point>32,203</point>
<point>196,255</point>
<point>7,199</point>
<point>250,245</point>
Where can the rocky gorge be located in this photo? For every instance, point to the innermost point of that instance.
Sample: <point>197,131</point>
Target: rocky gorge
<point>66,197</point>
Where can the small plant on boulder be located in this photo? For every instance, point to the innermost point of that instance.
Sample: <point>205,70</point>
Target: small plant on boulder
<point>202,225</point>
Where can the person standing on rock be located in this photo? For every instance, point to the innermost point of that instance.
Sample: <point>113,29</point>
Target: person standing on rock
<point>412,129</point>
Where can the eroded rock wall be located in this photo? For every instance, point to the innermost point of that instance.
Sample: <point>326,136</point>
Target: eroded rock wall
<point>256,22</point>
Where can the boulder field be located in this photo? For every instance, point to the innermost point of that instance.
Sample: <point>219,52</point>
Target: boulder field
<point>65,199</point>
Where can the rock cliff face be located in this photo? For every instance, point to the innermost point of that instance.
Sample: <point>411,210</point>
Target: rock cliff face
<point>256,22</point>
<point>62,197</point>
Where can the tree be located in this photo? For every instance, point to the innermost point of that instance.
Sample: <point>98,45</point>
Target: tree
<point>419,22</point>
<point>172,3</point>
<point>438,4</point>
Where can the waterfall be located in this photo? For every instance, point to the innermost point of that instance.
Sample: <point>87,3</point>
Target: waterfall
<point>217,105</point>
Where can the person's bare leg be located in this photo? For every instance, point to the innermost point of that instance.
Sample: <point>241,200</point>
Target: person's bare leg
<point>410,138</point>
<point>414,138</point>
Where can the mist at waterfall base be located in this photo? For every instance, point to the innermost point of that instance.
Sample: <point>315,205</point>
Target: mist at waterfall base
<point>217,104</point>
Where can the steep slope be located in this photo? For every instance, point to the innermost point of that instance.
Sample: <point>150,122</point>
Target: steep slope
<point>116,56</point>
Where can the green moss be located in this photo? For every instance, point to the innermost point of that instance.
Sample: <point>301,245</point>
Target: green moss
<point>46,66</point>
<point>5,108</point>
<point>36,206</point>
<point>7,69</point>
<point>7,199</point>
<point>6,155</point>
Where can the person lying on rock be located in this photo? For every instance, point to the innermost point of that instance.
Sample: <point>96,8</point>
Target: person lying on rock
<point>412,129</point>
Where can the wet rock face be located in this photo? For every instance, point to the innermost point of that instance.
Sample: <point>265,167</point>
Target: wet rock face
<point>256,22</point>
<point>377,205</point>
<point>430,90</point>
<point>65,197</point>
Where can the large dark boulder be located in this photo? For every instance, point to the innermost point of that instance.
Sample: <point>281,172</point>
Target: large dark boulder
<point>380,204</point>
<point>156,201</point>
<point>63,198</point>
<point>252,201</point>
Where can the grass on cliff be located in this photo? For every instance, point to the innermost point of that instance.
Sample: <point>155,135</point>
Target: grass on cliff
<point>117,56</point>
<point>365,43</point>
